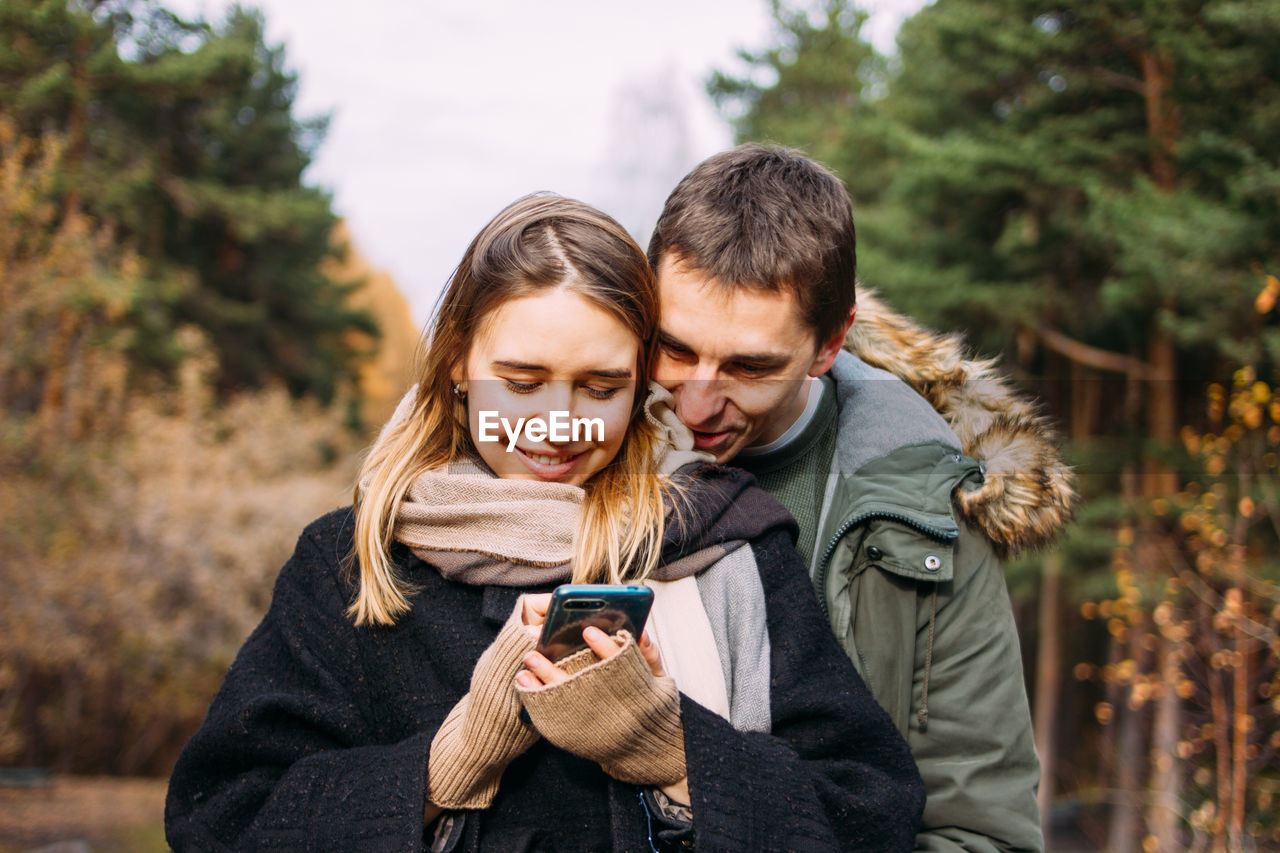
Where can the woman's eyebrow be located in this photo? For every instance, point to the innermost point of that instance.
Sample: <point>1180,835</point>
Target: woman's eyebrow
<point>611,373</point>
<point>517,365</point>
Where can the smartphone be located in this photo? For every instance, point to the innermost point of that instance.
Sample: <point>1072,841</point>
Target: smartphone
<point>609,607</point>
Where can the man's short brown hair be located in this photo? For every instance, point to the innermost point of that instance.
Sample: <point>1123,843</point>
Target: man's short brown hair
<point>767,218</point>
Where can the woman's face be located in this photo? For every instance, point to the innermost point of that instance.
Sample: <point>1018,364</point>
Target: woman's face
<point>564,366</point>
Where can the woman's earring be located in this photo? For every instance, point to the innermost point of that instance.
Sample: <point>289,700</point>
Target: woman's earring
<point>460,391</point>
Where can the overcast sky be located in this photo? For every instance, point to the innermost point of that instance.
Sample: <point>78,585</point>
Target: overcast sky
<point>446,110</point>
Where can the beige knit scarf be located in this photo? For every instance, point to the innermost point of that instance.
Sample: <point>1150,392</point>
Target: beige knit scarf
<point>479,529</point>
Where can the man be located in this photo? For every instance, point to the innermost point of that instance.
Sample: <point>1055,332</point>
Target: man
<point>755,257</point>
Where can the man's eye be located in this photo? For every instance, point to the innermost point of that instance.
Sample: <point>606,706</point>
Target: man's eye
<point>751,369</point>
<point>521,387</point>
<point>600,393</point>
<point>676,350</point>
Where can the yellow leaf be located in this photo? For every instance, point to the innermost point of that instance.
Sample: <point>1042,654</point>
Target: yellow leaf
<point>1266,299</point>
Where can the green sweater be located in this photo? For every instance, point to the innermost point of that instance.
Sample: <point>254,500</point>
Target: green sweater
<point>796,473</point>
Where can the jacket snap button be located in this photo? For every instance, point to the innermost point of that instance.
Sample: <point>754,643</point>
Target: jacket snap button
<point>932,563</point>
<point>874,553</point>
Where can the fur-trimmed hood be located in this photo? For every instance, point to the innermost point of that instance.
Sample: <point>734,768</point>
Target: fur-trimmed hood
<point>1028,494</point>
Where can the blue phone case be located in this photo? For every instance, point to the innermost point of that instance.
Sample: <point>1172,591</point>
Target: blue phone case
<point>609,607</point>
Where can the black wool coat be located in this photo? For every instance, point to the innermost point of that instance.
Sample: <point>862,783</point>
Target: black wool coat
<point>319,736</point>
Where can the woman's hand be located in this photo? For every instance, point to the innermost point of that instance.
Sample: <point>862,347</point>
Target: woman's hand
<point>606,703</point>
<point>533,608</point>
<point>533,612</point>
<point>540,671</point>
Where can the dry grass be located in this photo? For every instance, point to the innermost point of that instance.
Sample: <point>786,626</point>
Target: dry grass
<point>135,568</point>
<point>139,532</point>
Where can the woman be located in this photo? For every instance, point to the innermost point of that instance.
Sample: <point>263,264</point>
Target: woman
<point>391,698</point>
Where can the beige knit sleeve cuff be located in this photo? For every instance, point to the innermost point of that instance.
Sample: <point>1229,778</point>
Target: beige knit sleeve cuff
<point>483,732</point>
<point>614,712</point>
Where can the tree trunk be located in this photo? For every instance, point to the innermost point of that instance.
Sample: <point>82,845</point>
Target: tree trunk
<point>1124,834</point>
<point>1086,401</point>
<point>1164,816</point>
<point>1162,122</point>
<point>1162,411</point>
<point>1239,738</point>
<point>1048,681</point>
<point>1221,725</point>
<point>1162,403</point>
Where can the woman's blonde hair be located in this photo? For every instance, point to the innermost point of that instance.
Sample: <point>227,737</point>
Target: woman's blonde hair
<point>537,243</point>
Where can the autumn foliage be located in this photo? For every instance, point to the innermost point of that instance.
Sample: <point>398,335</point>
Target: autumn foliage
<point>1195,627</point>
<point>141,524</point>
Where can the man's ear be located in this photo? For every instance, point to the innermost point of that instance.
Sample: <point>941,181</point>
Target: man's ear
<point>831,346</point>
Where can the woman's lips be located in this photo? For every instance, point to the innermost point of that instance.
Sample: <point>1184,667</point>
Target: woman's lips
<point>549,466</point>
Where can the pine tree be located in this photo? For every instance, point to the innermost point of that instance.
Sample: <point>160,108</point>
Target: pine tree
<point>814,89</point>
<point>182,137</point>
<point>1091,188</point>
<point>1100,177</point>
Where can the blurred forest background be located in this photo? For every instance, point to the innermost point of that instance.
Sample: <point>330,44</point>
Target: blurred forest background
<point>192,356</point>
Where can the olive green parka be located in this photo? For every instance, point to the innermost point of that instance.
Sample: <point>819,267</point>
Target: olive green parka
<point>934,479</point>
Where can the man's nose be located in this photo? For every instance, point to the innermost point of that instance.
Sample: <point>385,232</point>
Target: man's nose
<point>700,397</point>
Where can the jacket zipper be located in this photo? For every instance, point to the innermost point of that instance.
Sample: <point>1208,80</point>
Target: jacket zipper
<point>824,564</point>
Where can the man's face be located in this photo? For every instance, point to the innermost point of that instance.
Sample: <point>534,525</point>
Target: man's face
<point>735,360</point>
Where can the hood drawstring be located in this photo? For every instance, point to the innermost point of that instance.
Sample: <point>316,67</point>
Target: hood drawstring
<point>923,714</point>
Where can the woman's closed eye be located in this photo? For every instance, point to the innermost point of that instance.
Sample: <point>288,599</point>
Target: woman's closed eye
<point>595,392</point>
<point>521,387</point>
<point>601,393</point>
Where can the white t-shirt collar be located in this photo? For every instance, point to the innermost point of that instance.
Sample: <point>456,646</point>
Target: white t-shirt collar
<point>793,432</point>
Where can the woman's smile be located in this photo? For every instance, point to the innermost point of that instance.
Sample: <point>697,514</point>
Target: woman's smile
<point>552,465</point>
